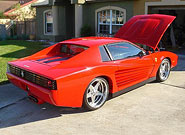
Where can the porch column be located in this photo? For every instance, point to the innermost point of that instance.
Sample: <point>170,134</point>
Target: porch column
<point>78,19</point>
<point>55,12</point>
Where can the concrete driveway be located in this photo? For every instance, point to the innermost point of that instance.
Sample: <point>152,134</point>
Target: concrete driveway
<point>153,109</point>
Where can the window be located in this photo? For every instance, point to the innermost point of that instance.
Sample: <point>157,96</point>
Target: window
<point>123,50</point>
<point>48,22</point>
<point>104,56</point>
<point>109,21</point>
<point>72,50</point>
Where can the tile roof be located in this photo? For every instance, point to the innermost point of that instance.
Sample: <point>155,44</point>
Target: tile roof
<point>6,5</point>
<point>22,5</point>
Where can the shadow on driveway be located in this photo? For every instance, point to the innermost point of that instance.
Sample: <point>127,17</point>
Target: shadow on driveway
<point>24,111</point>
<point>181,63</point>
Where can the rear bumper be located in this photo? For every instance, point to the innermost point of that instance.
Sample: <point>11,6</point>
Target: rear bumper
<point>32,89</point>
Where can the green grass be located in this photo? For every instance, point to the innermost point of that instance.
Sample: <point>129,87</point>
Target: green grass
<point>14,49</point>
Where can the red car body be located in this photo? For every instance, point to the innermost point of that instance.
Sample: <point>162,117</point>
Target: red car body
<point>63,82</point>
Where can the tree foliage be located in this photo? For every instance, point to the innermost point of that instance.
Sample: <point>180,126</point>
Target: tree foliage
<point>86,31</point>
<point>1,15</point>
<point>23,13</point>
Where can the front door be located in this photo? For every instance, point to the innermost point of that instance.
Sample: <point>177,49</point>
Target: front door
<point>134,66</point>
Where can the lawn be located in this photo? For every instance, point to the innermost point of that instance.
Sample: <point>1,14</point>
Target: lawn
<point>14,49</point>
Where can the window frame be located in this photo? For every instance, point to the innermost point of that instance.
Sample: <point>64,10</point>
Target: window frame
<point>45,23</point>
<point>105,54</point>
<point>110,8</point>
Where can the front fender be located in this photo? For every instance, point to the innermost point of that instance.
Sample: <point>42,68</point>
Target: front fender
<point>158,57</point>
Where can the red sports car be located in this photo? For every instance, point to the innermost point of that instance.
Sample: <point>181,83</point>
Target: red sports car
<point>86,71</point>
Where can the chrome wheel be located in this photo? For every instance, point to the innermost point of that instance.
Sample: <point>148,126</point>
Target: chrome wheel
<point>164,70</point>
<point>96,93</point>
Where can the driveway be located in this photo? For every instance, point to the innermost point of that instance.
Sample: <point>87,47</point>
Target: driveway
<point>153,109</point>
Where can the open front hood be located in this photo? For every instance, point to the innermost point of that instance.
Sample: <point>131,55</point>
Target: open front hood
<point>145,29</point>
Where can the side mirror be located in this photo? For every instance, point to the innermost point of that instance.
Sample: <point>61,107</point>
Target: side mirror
<point>141,54</point>
<point>148,52</point>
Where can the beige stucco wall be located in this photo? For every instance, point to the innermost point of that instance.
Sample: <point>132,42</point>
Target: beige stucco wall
<point>139,6</point>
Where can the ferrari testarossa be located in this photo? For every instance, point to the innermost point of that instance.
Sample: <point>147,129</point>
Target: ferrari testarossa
<point>86,71</point>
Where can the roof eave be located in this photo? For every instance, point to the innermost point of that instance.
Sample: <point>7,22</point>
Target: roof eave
<point>40,4</point>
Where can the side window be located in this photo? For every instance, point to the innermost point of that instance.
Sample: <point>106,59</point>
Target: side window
<point>104,55</point>
<point>123,50</point>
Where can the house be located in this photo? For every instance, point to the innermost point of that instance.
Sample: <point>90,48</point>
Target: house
<point>62,19</point>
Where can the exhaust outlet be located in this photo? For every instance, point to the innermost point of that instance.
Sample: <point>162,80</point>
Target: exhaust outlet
<point>34,99</point>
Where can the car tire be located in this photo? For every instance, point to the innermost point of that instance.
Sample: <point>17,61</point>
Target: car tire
<point>96,94</point>
<point>163,71</point>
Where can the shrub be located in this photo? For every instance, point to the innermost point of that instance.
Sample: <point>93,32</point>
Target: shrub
<point>23,37</point>
<point>86,31</point>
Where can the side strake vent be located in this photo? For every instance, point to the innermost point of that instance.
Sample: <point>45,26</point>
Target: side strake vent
<point>34,78</point>
<point>124,77</point>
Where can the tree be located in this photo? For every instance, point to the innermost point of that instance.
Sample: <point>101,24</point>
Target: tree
<point>23,13</point>
<point>1,15</point>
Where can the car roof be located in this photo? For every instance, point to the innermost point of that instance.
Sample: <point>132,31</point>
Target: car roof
<point>93,41</point>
